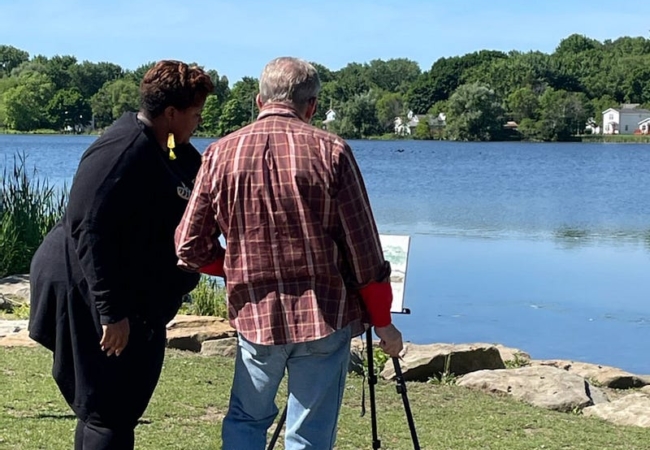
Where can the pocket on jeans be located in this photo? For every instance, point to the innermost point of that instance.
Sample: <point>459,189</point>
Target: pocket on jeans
<point>259,351</point>
<point>331,343</point>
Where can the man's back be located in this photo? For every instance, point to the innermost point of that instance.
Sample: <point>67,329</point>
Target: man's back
<point>280,189</point>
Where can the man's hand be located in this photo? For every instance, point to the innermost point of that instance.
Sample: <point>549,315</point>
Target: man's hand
<point>115,338</point>
<point>390,340</point>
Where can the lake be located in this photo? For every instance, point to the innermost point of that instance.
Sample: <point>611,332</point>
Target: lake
<point>544,247</point>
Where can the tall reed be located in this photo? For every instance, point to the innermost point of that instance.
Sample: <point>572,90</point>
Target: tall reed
<point>29,208</point>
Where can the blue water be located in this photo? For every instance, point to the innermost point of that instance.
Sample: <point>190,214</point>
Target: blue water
<point>545,247</point>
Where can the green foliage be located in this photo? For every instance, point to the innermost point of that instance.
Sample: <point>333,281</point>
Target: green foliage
<point>207,299</point>
<point>446,378</point>
<point>518,361</point>
<point>25,106</point>
<point>475,114</point>
<point>29,208</point>
<point>114,99</point>
<point>589,76</point>
<point>10,58</point>
<point>210,115</point>
<point>240,109</point>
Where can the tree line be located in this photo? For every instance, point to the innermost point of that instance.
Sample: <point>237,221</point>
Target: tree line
<point>550,96</point>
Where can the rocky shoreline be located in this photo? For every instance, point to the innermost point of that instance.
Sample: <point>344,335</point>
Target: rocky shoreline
<point>610,393</point>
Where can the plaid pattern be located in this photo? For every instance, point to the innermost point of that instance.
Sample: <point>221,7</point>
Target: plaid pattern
<point>300,235</point>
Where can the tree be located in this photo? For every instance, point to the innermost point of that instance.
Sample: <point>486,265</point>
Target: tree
<point>10,58</point>
<point>239,110</point>
<point>474,114</point>
<point>138,74</point>
<point>361,112</point>
<point>221,85</point>
<point>394,75</point>
<point>68,108</point>
<point>389,106</point>
<point>59,69</point>
<point>523,104</point>
<point>576,43</point>
<point>114,99</point>
<point>89,77</point>
<point>211,113</point>
<point>25,106</point>
<point>564,114</point>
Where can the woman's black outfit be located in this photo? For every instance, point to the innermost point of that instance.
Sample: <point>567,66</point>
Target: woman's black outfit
<point>112,257</point>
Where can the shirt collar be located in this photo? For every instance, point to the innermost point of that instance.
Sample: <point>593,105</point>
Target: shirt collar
<point>278,109</point>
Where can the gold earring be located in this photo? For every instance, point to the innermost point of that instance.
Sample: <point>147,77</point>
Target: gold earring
<point>171,144</point>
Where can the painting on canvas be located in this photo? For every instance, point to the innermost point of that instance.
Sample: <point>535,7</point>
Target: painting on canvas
<point>396,249</point>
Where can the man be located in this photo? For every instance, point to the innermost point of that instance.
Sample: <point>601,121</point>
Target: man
<point>304,265</point>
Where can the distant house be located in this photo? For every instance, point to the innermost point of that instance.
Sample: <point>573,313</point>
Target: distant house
<point>624,120</point>
<point>330,116</point>
<point>644,126</point>
<point>406,126</point>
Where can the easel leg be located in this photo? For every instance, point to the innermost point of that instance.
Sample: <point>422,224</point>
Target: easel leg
<point>372,381</point>
<point>401,389</point>
<point>278,429</point>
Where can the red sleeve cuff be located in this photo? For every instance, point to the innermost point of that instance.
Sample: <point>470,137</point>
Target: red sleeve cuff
<point>378,298</point>
<point>215,269</point>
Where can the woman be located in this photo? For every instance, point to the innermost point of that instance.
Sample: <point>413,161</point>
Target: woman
<point>105,280</point>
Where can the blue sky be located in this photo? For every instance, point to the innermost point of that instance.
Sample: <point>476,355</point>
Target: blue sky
<point>237,37</point>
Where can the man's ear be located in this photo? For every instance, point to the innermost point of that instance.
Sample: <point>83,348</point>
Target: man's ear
<point>258,101</point>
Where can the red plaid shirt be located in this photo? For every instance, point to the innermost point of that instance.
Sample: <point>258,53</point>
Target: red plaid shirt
<point>300,235</point>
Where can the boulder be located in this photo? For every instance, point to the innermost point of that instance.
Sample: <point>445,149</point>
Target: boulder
<point>598,375</point>
<point>542,386</point>
<point>14,290</point>
<point>421,362</point>
<point>187,332</point>
<point>631,410</point>
<point>220,347</point>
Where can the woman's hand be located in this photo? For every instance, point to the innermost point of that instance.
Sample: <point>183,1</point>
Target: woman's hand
<point>116,337</point>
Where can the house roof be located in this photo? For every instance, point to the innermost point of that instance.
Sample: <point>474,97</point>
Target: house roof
<point>628,109</point>
<point>645,121</point>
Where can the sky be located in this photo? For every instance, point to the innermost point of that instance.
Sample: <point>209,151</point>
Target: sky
<point>238,37</point>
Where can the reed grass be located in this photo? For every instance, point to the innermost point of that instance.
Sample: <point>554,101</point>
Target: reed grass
<point>29,208</point>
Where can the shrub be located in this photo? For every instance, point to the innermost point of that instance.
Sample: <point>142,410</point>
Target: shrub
<point>207,299</point>
<point>29,208</point>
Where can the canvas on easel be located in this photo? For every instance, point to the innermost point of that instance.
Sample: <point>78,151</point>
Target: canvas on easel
<point>396,251</point>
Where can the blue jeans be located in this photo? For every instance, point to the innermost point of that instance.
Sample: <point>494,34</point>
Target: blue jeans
<point>316,371</point>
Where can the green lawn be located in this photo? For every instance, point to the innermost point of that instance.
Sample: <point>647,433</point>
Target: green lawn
<point>191,399</point>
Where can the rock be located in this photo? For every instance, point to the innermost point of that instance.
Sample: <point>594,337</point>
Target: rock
<point>508,353</point>
<point>631,410</point>
<point>421,362</point>
<point>542,386</point>
<point>220,347</point>
<point>15,289</point>
<point>19,337</point>
<point>186,332</point>
<point>598,375</point>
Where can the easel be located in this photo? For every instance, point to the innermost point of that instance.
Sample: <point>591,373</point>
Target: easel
<point>372,381</point>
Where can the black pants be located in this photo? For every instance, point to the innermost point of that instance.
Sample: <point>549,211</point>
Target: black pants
<point>111,393</point>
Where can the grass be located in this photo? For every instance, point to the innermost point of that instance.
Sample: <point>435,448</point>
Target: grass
<point>617,138</point>
<point>29,208</point>
<point>192,397</point>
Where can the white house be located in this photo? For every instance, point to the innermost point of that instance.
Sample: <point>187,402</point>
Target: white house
<point>644,126</point>
<point>330,116</point>
<point>624,120</point>
<point>406,127</point>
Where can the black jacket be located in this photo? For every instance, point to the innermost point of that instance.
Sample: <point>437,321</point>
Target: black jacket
<point>114,246</point>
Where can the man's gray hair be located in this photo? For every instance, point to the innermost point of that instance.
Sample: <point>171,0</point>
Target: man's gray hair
<point>289,80</point>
